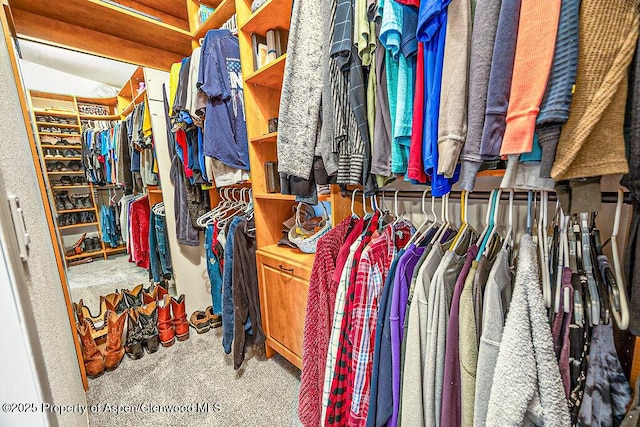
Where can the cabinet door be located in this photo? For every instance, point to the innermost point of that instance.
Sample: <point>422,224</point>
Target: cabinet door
<point>284,294</point>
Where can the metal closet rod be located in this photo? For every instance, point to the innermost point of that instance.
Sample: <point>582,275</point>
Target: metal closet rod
<point>519,195</point>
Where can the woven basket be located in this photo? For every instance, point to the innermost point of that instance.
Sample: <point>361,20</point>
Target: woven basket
<point>308,244</point>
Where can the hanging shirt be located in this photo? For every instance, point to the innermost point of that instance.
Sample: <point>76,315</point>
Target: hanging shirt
<point>220,77</point>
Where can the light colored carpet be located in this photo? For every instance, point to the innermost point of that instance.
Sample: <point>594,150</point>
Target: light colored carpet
<point>262,392</point>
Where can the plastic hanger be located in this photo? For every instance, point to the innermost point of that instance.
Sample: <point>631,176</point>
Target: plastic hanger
<point>367,215</point>
<point>425,223</point>
<point>445,220</point>
<point>464,208</point>
<point>544,268</point>
<point>545,239</point>
<point>621,310</point>
<point>508,237</point>
<point>353,203</point>
<point>487,218</point>
<point>529,211</point>
<point>588,267</point>
<point>491,223</point>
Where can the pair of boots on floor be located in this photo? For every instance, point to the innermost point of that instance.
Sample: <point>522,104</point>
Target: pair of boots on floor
<point>152,317</point>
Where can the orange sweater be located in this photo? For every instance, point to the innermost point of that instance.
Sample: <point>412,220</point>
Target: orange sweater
<point>534,54</point>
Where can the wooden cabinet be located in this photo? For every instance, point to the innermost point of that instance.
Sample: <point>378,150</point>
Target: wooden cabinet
<point>284,284</point>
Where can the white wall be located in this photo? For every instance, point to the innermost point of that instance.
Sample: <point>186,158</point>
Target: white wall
<point>48,309</point>
<point>189,263</point>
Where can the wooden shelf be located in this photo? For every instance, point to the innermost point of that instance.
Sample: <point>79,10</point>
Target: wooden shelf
<point>270,137</point>
<point>223,12</point>
<point>111,250</point>
<point>54,113</point>
<point>66,187</point>
<point>136,100</point>
<point>66,173</point>
<point>294,255</point>
<point>61,159</point>
<point>58,125</point>
<point>59,134</point>
<point>62,147</point>
<point>77,210</point>
<point>83,255</point>
<point>83,224</point>
<point>289,197</point>
<point>95,117</point>
<point>270,75</point>
<point>492,173</point>
<point>273,14</point>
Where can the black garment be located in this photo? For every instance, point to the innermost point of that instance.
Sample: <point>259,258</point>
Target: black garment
<point>186,234</point>
<point>180,100</point>
<point>246,296</point>
<point>124,158</point>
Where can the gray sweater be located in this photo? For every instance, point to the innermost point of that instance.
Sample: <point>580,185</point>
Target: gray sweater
<point>301,91</point>
<point>497,297</point>
<point>485,23</point>
<point>527,388</point>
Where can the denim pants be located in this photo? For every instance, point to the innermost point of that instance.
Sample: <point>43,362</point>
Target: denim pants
<point>214,271</point>
<point>159,256</point>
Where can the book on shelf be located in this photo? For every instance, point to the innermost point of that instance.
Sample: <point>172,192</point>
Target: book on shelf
<point>269,48</point>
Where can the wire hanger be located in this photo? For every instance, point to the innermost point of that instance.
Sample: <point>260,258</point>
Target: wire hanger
<point>445,219</point>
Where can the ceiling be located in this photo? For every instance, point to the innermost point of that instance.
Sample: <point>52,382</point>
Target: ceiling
<point>53,69</point>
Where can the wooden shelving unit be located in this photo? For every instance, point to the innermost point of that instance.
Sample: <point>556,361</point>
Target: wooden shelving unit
<point>223,11</point>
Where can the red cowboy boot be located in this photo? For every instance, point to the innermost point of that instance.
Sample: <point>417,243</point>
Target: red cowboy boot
<point>115,350</point>
<point>153,293</point>
<point>166,330</point>
<point>180,318</point>
<point>91,354</point>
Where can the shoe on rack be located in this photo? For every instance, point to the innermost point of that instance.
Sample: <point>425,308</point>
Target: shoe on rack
<point>115,302</point>
<point>76,249</point>
<point>65,180</point>
<point>133,297</point>
<point>75,165</point>
<point>87,202</point>
<point>69,153</point>
<point>91,355</point>
<point>114,351</point>
<point>179,318</point>
<point>199,321</point>
<point>215,321</point>
<point>77,180</point>
<point>58,154</point>
<point>59,203</point>
<point>59,167</point>
<point>91,217</point>
<point>133,347</point>
<point>68,204</point>
<point>148,315</point>
<point>97,243</point>
<point>48,154</point>
<point>166,331</point>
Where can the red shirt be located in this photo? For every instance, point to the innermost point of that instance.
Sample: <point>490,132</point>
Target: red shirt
<point>416,170</point>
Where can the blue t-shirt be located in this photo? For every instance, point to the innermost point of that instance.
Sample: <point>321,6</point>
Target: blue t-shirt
<point>220,78</point>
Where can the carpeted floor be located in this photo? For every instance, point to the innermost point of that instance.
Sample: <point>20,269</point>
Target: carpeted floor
<point>193,372</point>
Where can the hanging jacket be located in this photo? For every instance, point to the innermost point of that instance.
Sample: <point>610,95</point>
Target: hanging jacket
<point>527,387</point>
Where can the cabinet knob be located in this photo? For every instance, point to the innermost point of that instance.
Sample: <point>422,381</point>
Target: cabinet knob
<point>283,268</point>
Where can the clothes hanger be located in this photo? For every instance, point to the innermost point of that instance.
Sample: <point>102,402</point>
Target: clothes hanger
<point>353,202</point>
<point>588,267</point>
<point>508,237</point>
<point>494,230</point>
<point>464,207</point>
<point>487,218</point>
<point>445,220</point>
<point>620,310</point>
<point>434,224</point>
<point>367,215</point>
<point>545,239</point>
<point>529,211</point>
<point>419,231</point>
<point>491,223</point>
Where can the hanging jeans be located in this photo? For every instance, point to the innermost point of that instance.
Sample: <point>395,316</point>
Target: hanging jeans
<point>159,256</point>
<point>110,230</point>
<point>214,270</point>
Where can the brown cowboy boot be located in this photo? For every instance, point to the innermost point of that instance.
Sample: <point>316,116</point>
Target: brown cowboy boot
<point>115,302</point>
<point>114,351</point>
<point>149,322</point>
<point>153,293</point>
<point>179,318</point>
<point>166,331</point>
<point>91,354</point>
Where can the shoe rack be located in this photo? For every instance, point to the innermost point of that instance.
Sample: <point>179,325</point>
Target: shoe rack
<point>57,122</point>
